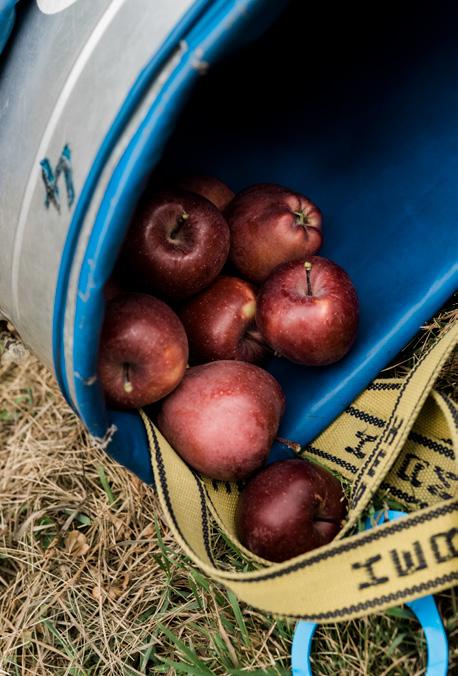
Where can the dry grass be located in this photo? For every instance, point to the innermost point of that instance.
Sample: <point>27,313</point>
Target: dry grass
<point>91,581</point>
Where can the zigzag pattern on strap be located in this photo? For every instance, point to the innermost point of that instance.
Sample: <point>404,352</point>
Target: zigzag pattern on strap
<point>432,445</point>
<point>384,386</point>
<point>402,495</point>
<point>416,589</point>
<point>350,544</point>
<point>313,450</point>
<point>365,417</point>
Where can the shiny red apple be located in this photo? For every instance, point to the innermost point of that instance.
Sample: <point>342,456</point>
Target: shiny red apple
<point>223,418</point>
<point>271,225</point>
<point>308,311</point>
<point>289,508</point>
<point>177,244</point>
<point>143,350</point>
<point>220,323</point>
<point>209,187</point>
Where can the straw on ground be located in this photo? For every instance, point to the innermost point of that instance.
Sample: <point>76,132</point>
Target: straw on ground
<point>91,581</point>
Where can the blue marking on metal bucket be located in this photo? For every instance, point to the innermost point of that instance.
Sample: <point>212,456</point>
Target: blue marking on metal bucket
<point>50,179</point>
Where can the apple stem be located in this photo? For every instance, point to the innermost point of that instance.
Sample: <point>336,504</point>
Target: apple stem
<point>293,445</point>
<point>308,269</point>
<point>301,218</point>
<point>128,387</point>
<point>179,224</point>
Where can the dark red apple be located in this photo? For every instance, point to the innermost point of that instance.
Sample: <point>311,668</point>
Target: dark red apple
<point>289,508</point>
<point>308,312</point>
<point>271,225</point>
<point>177,244</point>
<point>143,350</point>
<point>220,323</point>
<point>223,418</point>
<point>209,187</point>
<point>112,288</point>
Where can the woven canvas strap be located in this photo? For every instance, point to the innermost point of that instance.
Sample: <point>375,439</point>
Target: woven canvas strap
<point>399,438</point>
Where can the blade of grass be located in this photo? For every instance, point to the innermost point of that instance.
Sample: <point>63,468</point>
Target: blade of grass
<point>165,564</point>
<point>59,638</point>
<point>186,650</point>
<point>231,597</point>
<point>84,519</point>
<point>401,612</point>
<point>105,484</point>
<point>146,657</point>
<point>394,644</point>
<point>182,668</point>
<point>222,652</point>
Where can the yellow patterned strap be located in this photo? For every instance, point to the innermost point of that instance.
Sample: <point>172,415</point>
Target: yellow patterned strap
<point>399,437</point>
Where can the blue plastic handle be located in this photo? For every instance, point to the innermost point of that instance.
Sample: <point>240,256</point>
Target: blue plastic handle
<point>425,610</point>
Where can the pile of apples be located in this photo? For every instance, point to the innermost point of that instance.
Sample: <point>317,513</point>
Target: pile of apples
<point>223,281</point>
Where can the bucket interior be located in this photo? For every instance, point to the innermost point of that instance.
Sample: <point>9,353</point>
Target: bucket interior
<point>357,108</point>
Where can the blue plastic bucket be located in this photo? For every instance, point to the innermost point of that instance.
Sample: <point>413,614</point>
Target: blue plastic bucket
<point>87,113</point>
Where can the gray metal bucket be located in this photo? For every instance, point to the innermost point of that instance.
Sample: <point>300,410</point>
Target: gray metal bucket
<point>60,90</point>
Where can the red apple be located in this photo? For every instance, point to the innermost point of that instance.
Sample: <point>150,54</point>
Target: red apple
<point>177,244</point>
<point>307,311</point>
<point>271,225</point>
<point>289,508</point>
<point>143,350</point>
<point>112,288</point>
<point>223,418</point>
<point>220,322</point>
<point>209,187</point>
